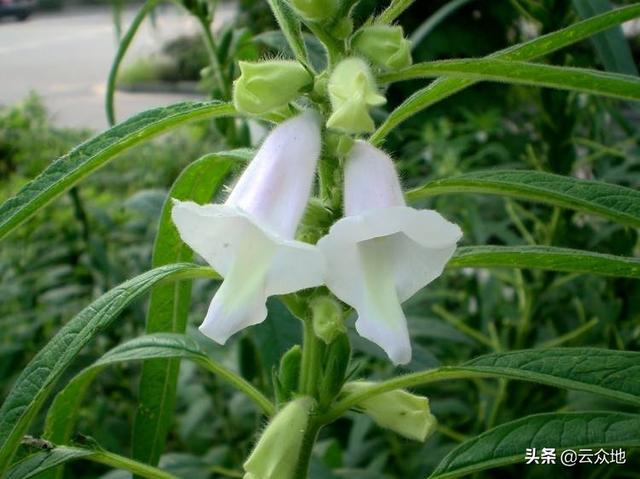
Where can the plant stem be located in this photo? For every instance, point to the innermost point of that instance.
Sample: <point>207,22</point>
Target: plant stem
<point>310,367</point>
<point>212,50</point>
<point>241,384</point>
<point>122,50</point>
<point>306,449</point>
<point>393,11</point>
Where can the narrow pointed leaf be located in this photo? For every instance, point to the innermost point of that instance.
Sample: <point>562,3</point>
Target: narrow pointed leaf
<point>551,42</point>
<point>507,443</point>
<point>37,379</point>
<point>523,73</point>
<point>169,305</point>
<point>80,162</point>
<point>616,203</point>
<point>607,373</point>
<point>545,257</point>
<point>40,462</point>
<point>611,46</point>
<point>63,413</point>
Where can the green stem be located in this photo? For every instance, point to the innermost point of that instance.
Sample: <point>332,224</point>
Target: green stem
<point>393,11</point>
<point>462,327</point>
<point>122,50</point>
<point>212,50</point>
<point>242,385</point>
<point>306,449</point>
<point>120,462</point>
<point>311,361</point>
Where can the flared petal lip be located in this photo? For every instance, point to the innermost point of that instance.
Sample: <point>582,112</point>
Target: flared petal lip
<point>426,228</point>
<point>231,237</point>
<point>376,223</point>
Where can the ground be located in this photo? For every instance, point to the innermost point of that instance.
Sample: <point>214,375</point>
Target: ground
<point>66,56</point>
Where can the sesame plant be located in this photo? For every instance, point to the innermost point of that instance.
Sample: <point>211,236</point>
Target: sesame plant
<point>316,218</point>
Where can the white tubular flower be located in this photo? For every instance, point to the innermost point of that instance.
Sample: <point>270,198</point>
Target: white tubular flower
<point>249,240</point>
<point>382,252</point>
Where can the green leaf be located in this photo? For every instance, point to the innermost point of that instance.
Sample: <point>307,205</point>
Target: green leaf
<point>445,87</point>
<point>507,443</point>
<point>610,373</point>
<point>613,202</point>
<point>169,305</point>
<point>290,26</point>
<point>69,169</point>
<point>40,462</point>
<point>37,379</point>
<point>63,413</point>
<point>123,46</point>
<point>611,46</point>
<point>523,73</point>
<point>547,258</point>
<point>607,373</point>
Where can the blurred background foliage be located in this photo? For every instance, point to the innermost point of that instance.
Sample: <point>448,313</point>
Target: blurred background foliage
<point>102,233</point>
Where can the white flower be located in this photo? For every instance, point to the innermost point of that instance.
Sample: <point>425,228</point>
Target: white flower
<point>382,252</point>
<point>249,240</point>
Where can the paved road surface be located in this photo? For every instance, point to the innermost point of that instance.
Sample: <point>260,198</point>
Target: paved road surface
<point>66,56</point>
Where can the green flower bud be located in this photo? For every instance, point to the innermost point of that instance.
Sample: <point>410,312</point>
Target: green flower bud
<point>288,374</point>
<point>385,46</point>
<point>276,450</point>
<point>342,28</point>
<point>336,362</point>
<point>327,318</point>
<point>266,86</point>
<point>352,90</point>
<point>315,10</point>
<point>404,413</point>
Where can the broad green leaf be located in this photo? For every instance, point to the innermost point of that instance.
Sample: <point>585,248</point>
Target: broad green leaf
<point>547,258</point>
<point>523,73</point>
<point>611,46</point>
<point>123,46</point>
<point>169,305</point>
<point>38,378</point>
<point>63,413</point>
<point>507,443</point>
<point>40,462</point>
<point>69,169</point>
<point>290,26</point>
<point>609,373</point>
<point>616,203</point>
<point>551,42</point>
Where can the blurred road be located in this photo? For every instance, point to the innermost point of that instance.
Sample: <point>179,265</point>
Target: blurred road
<point>66,57</point>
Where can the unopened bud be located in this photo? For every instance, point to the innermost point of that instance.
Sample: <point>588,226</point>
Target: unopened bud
<point>266,86</point>
<point>327,318</point>
<point>352,91</point>
<point>400,411</point>
<point>385,46</point>
<point>278,447</point>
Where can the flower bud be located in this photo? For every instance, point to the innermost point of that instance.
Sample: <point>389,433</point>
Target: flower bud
<point>352,90</point>
<point>327,318</point>
<point>336,361</point>
<point>274,456</point>
<point>266,86</point>
<point>288,373</point>
<point>384,45</point>
<point>404,413</point>
<point>315,10</point>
